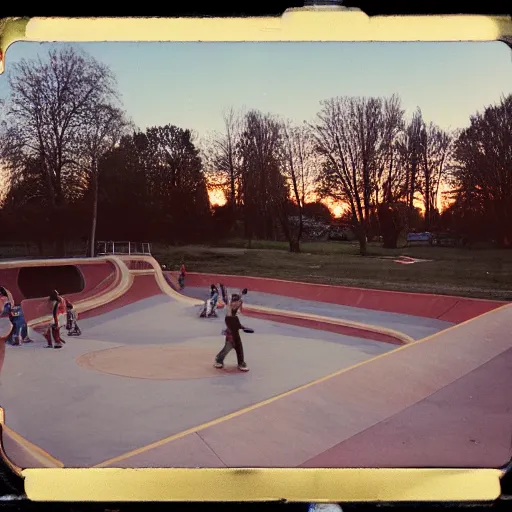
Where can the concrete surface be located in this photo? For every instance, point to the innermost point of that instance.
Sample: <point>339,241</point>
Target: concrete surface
<point>85,416</point>
<point>138,388</point>
<point>468,418</point>
<point>414,326</point>
<point>426,403</point>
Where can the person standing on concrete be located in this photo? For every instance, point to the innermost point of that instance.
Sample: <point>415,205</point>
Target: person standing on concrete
<point>71,320</point>
<point>210,304</point>
<point>181,277</point>
<point>232,333</point>
<point>59,309</point>
<point>19,331</point>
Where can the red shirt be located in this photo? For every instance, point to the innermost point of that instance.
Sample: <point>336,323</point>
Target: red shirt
<point>59,308</point>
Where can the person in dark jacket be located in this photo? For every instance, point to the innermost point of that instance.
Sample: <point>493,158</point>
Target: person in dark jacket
<point>19,332</point>
<point>232,333</point>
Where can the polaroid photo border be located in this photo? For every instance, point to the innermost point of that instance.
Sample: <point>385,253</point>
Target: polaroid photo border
<point>273,484</point>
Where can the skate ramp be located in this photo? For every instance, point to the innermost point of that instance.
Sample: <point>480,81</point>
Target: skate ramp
<point>114,281</point>
<point>441,307</point>
<point>440,402</point>
<point>113,285</point>
<point>143,367</point>
<point>97,274</point>
<point>108,283</point>
<point>414,326</point>
<point>135,367</point>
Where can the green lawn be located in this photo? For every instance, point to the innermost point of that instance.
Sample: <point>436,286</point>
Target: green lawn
<point>484,273</point>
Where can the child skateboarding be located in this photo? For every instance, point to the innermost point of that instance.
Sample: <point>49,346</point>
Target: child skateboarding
<point>210,304</point>
<point>58,305</point>
<point>71,320</point>
<point>225,294</point>
<point>232,333</point>
<point>19,333</point>
<point>181,277</point>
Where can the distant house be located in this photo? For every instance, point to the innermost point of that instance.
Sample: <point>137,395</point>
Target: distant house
<point>312,229</point>
<point>341,231</point>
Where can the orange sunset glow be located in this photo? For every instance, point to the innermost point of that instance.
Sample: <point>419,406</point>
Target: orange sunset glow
<point>336,208</point>
<point>217,198</point>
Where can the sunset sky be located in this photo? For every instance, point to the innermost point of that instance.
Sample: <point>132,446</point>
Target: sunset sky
<point>189,84</point>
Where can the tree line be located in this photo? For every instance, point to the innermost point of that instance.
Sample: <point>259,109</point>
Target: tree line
<point>77,167</point>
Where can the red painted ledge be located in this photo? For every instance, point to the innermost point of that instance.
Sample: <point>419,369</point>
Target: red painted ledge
<point>356,332</point>
<point>442,307</point>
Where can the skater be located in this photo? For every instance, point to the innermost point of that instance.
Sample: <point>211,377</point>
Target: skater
<point>210,305</point>
<point>59,308</point>
<point>5,331</point>
<point>6,302</point>
<point>232,333</point>
<point>225,294</point>
<point>71,320</point>
<point>181,277</point>
<point>19,331</point>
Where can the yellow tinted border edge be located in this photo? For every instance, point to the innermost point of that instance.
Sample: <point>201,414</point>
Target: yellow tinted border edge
<point>299,485</point>
<point>11,30</point>
<point>293,485</point>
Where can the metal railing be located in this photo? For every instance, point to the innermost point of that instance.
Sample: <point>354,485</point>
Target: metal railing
<point>126,248</point>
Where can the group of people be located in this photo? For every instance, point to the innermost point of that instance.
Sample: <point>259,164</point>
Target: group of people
<point>60,308</point>
<point>232,341</point>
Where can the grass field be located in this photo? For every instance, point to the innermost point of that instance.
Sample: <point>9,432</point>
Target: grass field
<point>483,273</point>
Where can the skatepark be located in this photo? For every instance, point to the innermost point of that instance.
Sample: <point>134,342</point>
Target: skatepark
<point>339,377</point>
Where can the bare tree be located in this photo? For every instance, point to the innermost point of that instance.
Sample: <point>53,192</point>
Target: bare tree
<point>482,176</point>
<point>300,168</point>
<point>104,126</point>
<point>435,153</point>
<point>351,135</point>
<point>389,175</point>
<point>50,100</point>
<point>408,157</point>
<point>263,187</point>
<point>222,160</point>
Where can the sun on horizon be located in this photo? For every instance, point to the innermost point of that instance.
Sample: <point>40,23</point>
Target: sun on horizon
<point>217,198</point>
